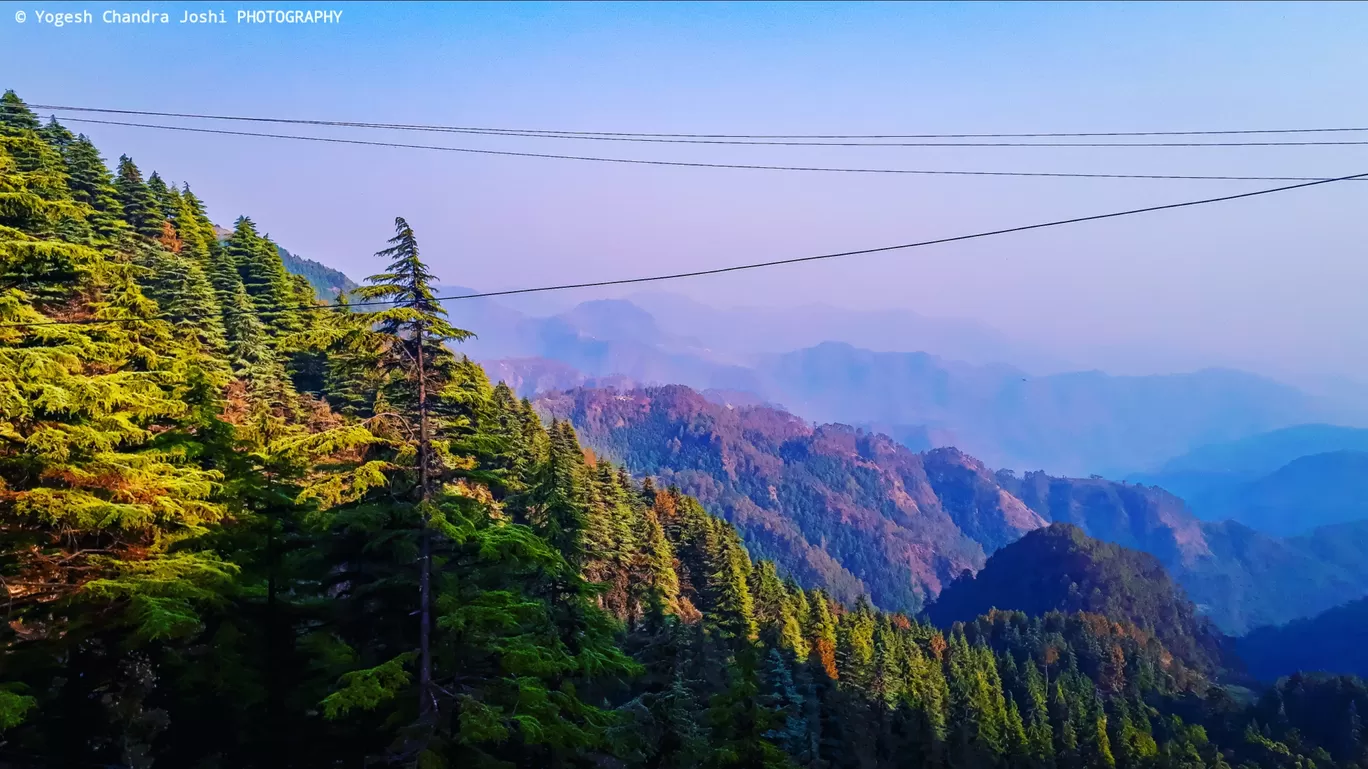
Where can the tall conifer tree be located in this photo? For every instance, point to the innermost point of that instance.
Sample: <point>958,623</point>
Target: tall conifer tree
<point>140,208</point>
<point>415,323</point>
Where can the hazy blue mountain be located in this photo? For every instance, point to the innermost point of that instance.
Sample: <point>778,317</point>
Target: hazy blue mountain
<point>590,342</point>
<point>616,319</point>
<point>1253,579</point>
<point>1068,423</point>
<point>1073,423</point>
<point>1308,492</point>
<point>1331,641</point>
<point>1284,481</point>
<point>1076,424</point>
<point>758,330</point>
<point>1263,453</point>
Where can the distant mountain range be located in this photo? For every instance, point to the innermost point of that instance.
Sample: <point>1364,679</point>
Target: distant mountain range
<point>1286,481</point>
<point>1069,423</point>
<point>857,512</point>
<point>1241,452</point>
<point>926,382</point>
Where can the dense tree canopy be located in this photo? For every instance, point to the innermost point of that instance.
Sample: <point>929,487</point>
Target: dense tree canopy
<point>239,530</point>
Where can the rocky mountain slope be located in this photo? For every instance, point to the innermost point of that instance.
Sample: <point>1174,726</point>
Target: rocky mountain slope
<point>840,507</point>
<point>856,511</point>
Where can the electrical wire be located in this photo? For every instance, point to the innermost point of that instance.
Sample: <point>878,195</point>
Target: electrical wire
<point>690,164</point>
<point>633,135</point>
<point>775,262</point>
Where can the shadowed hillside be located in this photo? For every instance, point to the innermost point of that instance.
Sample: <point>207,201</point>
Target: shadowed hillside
<point>1059,568</point>
<point>1330,641</point>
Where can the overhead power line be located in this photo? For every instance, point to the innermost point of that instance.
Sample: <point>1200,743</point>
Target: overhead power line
<point>771,263</point>
<point>690,164</point>
<point>630,136</point>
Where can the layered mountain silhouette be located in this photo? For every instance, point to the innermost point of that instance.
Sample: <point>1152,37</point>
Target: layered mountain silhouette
<point>927,383</point>
<point>855,511</point>
<point>1287,481</point>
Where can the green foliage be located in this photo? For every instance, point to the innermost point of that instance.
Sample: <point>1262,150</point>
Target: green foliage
<point>141,211</point>
<point>368,689</point>
<point>13,708</point>
<point>263,276</point>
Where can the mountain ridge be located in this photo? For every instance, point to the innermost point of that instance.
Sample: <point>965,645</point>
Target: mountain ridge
<point>841,503</point>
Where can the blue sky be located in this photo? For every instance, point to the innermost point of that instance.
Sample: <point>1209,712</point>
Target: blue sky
<point>1274,284</point>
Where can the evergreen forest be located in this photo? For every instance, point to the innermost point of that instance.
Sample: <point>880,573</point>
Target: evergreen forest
<point>242,528</point>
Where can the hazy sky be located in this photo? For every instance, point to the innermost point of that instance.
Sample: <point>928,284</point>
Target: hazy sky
<point>1274,284</point>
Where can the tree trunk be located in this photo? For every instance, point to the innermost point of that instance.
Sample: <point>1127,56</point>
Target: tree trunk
<point>425,538</point>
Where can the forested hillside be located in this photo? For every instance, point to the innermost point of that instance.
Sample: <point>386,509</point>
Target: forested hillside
<point>854,511</point>
<point>850,511</point>
<point>1059,568</point>
<point>240,530</point>
<point>327,282</point>
<point>1333,640</point>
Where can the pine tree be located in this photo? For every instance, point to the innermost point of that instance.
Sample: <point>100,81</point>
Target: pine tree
<point>415,331</point>
<point>176,281</point>
<point>780,697</point>
<point>729,592</point>
<point>1098,743</point>
<point>889,676</point>
<point>654,571</point>
<point>1018,747</point>
<point>254,361</point>
<point>742,720</point>
<point>821,633</point>
<point>140,208</point>
<point>103,500</point>
<point>57,136</point>
<point>92,184</point>
<point>560,506</point>
<point>263,274</point>
<point>15,115</point>
<point>164,196</point>
<point>1039,734</point>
